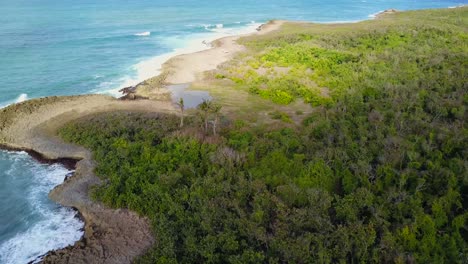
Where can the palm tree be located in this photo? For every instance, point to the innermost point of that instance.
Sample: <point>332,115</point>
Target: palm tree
<point>182,108</point>
<point>215,109</point>
<point>204,107</point>
<point>208,108</point>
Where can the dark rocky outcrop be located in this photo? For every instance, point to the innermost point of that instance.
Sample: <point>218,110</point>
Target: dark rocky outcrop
<point>130,93</point>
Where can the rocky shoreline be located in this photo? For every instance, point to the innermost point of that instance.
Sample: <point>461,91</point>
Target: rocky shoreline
<point>110,235</point>
<point>66,162</point>
<point>386,12</point>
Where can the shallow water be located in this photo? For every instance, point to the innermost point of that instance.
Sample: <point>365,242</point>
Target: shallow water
<point>192,98</point>
<point>51,47</point>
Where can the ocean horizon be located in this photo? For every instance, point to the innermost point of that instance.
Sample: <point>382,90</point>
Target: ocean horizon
<point>50,48</point>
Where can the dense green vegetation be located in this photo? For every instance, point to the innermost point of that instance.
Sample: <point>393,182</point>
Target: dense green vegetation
<point>377,173</point>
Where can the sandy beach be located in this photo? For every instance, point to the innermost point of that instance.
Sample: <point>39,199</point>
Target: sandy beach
<point>111,236</point>
<point>188,68</point>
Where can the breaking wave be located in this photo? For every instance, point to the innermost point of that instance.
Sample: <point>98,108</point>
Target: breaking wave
<point>143,34</point>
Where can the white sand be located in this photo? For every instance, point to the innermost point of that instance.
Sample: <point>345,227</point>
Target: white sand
<point>188,68</point>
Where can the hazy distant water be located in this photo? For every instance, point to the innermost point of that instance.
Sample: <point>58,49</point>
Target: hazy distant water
<point>53,47</point>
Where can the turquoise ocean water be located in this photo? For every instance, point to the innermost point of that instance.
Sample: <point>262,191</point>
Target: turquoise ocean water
<point>52,47</point>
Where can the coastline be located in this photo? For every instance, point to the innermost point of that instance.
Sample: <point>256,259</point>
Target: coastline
<point>110,235</point>
<point>188,68</point>
<point>68,163</point>
<point>150,67</point>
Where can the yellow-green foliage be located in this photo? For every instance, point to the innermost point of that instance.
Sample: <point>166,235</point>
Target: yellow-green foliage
<point>395,50</point>
<point>281,116</point>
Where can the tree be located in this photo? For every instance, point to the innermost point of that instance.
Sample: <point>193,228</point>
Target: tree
<point>215,110</point>
<point>209,110</point>
<point>204,107</point>
<point>181,106</point>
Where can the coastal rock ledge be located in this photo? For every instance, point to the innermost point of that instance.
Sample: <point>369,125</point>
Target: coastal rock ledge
<point>110,235</point>
<point>386,12</point>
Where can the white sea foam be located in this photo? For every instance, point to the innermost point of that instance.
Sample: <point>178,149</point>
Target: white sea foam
<point>60,229</point>
<point>458,6</point>
<point>56,227</point>
<point>143,34</point>
<point>374,15</point>
<point>342,22</point>
<point>181,45</point>
<point>21,98</point>
<point>5,104</point>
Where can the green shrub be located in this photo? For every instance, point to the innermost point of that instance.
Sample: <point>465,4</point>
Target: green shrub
<point>281,116</point>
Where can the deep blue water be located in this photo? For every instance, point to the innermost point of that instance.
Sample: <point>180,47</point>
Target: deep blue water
<point>64,47</point>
